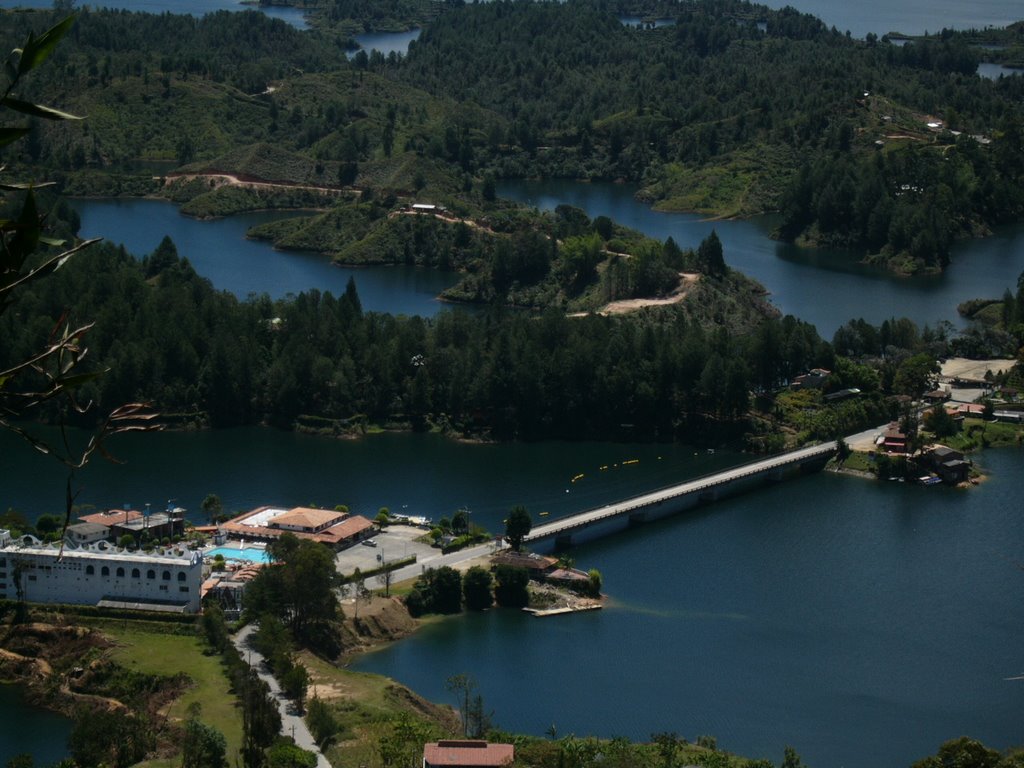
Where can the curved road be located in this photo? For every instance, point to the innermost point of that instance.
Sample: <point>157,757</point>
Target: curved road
<point>291,724</point>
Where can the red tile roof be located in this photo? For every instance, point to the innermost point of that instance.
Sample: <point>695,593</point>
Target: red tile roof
<point>467,754</point>
<point>344,529</point>
<point>113,517</point>
<point>304,517</point>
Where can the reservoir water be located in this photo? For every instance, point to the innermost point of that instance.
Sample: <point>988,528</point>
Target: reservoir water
<point>219,250</point>
<point>911,17</point>
<point>386,42</point>
<point>862,622</point>
<point>28,729</point>
<point>825,287</point>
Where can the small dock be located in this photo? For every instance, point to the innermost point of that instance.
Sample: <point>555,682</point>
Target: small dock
<point>541,612</point>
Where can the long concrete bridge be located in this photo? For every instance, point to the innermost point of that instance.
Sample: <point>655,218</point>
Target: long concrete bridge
<point>594,523</point>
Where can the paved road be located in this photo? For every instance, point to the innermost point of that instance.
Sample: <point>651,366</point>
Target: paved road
<point>291,724</point>
<point>454,559</point>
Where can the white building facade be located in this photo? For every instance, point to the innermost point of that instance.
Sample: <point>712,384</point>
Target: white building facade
<point>99,574</point>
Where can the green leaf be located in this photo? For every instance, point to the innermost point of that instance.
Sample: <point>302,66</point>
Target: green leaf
<point>26,236</point>
<point>7,135</point>
<point>37,110</point>
<point>38,49</point>
<point>78,379</point>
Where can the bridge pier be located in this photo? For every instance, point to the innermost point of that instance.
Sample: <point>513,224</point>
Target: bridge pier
<point>813,465</point>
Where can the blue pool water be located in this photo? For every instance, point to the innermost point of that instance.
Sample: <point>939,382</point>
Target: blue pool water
<point>252,555</point>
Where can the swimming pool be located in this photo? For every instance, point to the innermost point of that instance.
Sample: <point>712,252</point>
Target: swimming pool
<point>251,555</point>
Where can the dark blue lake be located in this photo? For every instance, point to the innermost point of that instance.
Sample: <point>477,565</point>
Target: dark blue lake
<point>861,622</point>
<point>219,250</point>
<point>28,729</point>
<point>824,286</point>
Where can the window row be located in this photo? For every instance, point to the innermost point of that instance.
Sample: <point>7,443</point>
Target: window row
<point>90,570</point>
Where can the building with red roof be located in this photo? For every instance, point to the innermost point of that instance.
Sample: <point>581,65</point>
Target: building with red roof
<point>327,526</point>
<point>466,753</point>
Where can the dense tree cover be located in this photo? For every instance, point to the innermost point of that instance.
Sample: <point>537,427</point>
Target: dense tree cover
<point>261,719</point>
<point>998,327</point>
<point>908,205</point>
<point>299,592</point>
<point>517,527</point>
<point>511,586</point>
<point>734,108</point>
<point>477,585</point>
<point>965,752</point>
<point>169,338</point>
<point>203,746</point>
<point>587,96</point>
<point>437,590</point>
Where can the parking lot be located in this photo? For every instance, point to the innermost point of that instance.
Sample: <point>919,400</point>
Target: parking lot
<point>395,542</point>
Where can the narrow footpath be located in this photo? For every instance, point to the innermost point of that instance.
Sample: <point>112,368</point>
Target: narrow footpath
<point>291,724</point>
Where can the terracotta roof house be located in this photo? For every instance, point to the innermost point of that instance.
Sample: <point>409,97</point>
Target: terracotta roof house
<point>113,517</point>
<point>466,754</point>
<point>335,529</point>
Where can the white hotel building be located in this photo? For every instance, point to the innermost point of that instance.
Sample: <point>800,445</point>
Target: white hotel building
<point>99,574</point>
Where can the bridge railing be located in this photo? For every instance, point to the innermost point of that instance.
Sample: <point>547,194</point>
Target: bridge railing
<point>674,491</point>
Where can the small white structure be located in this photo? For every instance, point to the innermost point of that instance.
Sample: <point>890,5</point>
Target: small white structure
<point>99,574</point>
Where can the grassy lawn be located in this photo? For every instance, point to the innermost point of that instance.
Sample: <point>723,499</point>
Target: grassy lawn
<point>977,433</point>
<point>167,654</point>
<point>365,705</point>
<point>858,461</point>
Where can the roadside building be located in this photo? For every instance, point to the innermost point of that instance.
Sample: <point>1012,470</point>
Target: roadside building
<point>99,574</point>
<point>949,465</point>
<point>466,753</point>
<point>327,526</point>
<point>973,410</point>
<point>895,441</point>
